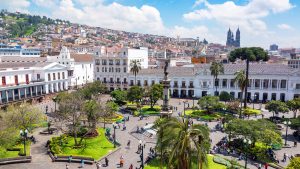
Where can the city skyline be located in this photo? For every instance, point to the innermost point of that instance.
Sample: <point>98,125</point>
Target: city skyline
<point>262,23</point>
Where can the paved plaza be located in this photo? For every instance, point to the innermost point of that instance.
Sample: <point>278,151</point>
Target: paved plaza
<point>42,161</point>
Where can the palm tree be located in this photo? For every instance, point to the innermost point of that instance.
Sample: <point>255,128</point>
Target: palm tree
<point>183,142</point>
<point>135,67</point>
<point>216,68</point>
<point>240,79</point>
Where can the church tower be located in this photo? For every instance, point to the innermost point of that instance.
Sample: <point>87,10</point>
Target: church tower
<point>238,38</point>
<point>229,38</point>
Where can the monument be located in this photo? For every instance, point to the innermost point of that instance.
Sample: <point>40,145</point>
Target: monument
<point>166,110</point>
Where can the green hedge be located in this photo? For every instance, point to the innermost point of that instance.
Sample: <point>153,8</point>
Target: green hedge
<point>226,162</point>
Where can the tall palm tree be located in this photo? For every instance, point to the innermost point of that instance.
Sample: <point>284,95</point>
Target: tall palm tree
<point>183,142</point>
<point>135,67</point>
<point>240,79</point>
<point>216,68</point>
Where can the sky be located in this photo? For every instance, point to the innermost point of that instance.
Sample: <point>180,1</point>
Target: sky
<point>261,22</point>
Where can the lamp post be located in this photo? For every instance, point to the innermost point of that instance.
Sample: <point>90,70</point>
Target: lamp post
<point>54,100</point>
<point>46,109</point>
<point>23,134</point>
<point>254,96</point>
<point>287,123</point>
<point>142,154</point>
<point>114,126</point>
<point>193,100</point>
<point>184,102</point>
<point>247,143</point>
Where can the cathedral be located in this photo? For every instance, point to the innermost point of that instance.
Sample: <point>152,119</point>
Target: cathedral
<point>230,39</point>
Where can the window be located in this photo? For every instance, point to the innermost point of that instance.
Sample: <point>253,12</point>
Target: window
<point>63,75</point>
<point>58,76</point>
<point>125,80</point>
<point>125,70</point>
<point>97,69</point>
<point>3,81</point>
<point>49,77</point>
<point>232,83</point>
<point>102,69</point>
<point>297,86</point>
<point>27,79</point>
<point>54,76</point>
<point>283,84</point>
<point>38,76</point>
<point>16,80</point>
<point>217,82</point>
<point>224,83</point>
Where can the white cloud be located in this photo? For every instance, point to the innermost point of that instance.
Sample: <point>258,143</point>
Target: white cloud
<point>115,16</point>
<point>285,27</point>
<point>198,2</point>
<point>15,6</point>
<point>45,3</point>
<point>249,16</point>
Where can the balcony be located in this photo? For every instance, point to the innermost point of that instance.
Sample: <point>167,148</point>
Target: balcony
<point>191,86</point>
<point>183,86</point>
<point>175,86</point>
<point>38,80</point>
<point>97,63</point>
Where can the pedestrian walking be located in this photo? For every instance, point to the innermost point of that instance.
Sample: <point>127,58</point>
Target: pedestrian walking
<point>67,166</point>
<point>284,157</point>
<point>266,166</point>
<point>121,161</point>
<point>128,144</point>
<point>295,143</point>
<point>106,162</point>
<point>131,166</point>
<point>98,165</point>
<point>70,158</point>
<point>82,163</point>
<point>259,166</point>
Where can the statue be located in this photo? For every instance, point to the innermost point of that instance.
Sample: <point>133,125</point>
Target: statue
<point>165,68</point>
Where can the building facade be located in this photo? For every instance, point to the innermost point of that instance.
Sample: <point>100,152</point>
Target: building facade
<point>113,68</point>
<point>80,66</point>
<point>6,50</point>
<point>266,81</point>
<point>31,80</point>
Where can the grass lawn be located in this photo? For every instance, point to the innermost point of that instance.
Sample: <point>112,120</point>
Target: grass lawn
<point>146,110</point>
<point>115,117</point>
<point>95,147</point>
<point>201,114</point>
<point>155,164</point>
<point>10,154</point>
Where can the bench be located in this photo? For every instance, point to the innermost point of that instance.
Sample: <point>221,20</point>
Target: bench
<point>24,159</point>
<point>75,159</point>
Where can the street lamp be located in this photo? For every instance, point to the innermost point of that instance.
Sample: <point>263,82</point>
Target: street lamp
<point>287,123</point>
<point>46,109</point>
<point>23,134</point>
<point>54,100</point>
<point>247,142</point>
<point>114,126</point>
<point>142,154</point>
<point>254,96</point>
<point>184,102</point>
<point>193,100</point>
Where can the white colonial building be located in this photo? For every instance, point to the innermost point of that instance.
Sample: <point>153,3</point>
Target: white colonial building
<point>30,80</point>
<point>113,68</point>
<point>80,66</point>
<point>266,81</point>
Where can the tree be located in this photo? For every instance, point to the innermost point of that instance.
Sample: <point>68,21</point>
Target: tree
<point>135,94</point>
<point>93,110</point>
<point>294,105</point>
<point>255,130</point>
<point>92,89</point>
<point>294,163</point>
<point>119,96</point>
<point>216,68</point>
<point>208,102</point>
<point>23,116</point>
<point>110,109</point>
<point>240,79</point>
<point>225,96</point>
<point>276,107</point>
<point>233,106</point>
<point>155,93</point>
<point>183,143</point>
<point>135,67</point>
<point>71,112</point>
<point>250,55</point>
